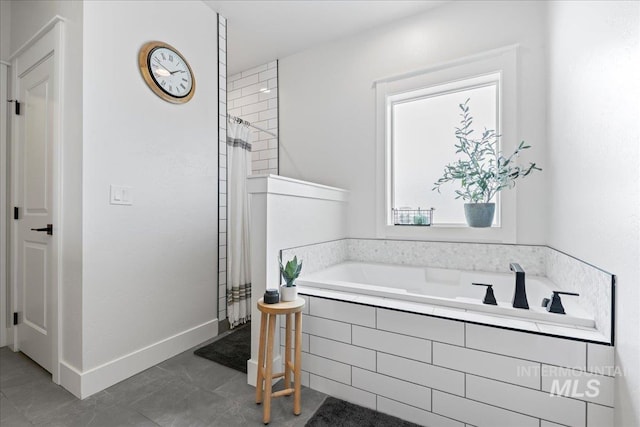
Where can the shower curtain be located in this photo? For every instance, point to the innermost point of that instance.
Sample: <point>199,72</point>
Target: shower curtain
<point>238,262</point>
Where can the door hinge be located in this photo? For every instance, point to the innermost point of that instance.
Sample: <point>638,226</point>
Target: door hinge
<point>15,318</point>
<point>17,105</point>
<point>16,212</point>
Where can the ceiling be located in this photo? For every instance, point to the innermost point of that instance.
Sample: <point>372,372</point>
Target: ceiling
<point>262,31</point>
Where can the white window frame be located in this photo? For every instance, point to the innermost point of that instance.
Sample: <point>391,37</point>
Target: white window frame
<point>501,61</point>
<point>434,91</point>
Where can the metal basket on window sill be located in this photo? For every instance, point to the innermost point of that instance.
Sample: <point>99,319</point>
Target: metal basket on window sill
<point>416,217</point>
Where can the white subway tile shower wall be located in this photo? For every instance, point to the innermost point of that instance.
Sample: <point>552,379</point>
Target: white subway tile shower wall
<point>222,168</point>
<point>249,101</point>
<point>452,378</point>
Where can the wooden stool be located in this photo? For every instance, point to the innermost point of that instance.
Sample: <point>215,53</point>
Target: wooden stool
<point>265,362</point>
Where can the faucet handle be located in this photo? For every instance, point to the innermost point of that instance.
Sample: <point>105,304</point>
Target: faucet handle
<point>489,297</point>
<point>575,294</point>
<point>554,304</point>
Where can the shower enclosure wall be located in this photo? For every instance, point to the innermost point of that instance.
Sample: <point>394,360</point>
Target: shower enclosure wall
<point>222,173</point>
<point>251,96</point>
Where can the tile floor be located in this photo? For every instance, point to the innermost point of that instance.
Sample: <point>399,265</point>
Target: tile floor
<point>185,390</point>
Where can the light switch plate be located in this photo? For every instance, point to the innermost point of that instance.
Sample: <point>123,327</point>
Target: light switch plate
<point>121,195</point>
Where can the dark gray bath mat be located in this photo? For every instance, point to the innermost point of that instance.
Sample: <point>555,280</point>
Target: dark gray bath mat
<point>232,350</point>
<point>338,413</point>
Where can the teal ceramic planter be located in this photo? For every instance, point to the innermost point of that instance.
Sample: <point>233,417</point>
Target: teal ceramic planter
<point>479,215</point>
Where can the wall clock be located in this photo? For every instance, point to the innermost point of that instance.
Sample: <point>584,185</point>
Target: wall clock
<point>166,72</point>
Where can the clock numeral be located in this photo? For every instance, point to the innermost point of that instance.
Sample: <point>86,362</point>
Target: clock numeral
<point>184,80</point>
<point>163,83</point>
<point>182,86</point>
<point>171,58</point>
<point>164,58</point>
<point>170,88</point>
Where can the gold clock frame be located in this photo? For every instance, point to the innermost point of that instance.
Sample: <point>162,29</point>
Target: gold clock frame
<point>143,63</point>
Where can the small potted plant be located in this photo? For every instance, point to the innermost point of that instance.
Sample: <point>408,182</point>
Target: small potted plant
<point>482,171</point>
<point>290,272</point>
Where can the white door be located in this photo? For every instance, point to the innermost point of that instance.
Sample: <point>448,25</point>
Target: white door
<point>34,248</point>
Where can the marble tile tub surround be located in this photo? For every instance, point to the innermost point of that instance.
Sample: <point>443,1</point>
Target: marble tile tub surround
<point>454,255</point>
<point>318,256</point>
<point>462,256</point>
<point>594,285</point>
<point>451,373</point>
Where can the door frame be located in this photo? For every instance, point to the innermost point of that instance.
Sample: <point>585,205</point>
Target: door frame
<point>46,41</point>
<point>5,336</point>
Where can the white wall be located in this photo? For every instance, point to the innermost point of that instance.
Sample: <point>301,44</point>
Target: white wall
<point>5,30</point>
<point>276,223</point>
<point>70,308</point>
<point>146,274</point>
<point>593,162</point>
<point>149,270</point>
<point>28,16</point>
<point>327,104</point>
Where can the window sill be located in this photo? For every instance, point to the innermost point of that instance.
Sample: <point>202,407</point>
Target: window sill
<point>460,233</point>
<point>437,226</point>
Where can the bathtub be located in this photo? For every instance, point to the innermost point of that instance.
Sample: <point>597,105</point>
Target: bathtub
<point>448,288</point>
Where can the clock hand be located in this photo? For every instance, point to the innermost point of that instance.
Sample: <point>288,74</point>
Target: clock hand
<point>176,71</point>
<point>158,62</point>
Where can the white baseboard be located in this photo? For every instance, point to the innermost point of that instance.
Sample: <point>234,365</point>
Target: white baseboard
<point>71,379</point>
<point>252,372</point>
<point>91,381</point>
<point>252,369</point>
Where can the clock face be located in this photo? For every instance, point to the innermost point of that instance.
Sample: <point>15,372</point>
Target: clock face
<point>166,72</point>
<point>170,72</point>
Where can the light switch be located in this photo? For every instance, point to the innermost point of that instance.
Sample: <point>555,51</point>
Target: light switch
<point>121,195</point>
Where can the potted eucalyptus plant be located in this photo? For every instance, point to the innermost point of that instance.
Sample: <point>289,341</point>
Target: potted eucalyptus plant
<point>290,272</point>
<point>482,170</point>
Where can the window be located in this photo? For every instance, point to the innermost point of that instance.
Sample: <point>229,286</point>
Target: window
<point>422,141</point>
<point>417,114</point>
